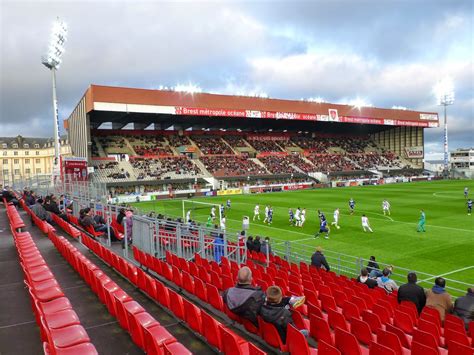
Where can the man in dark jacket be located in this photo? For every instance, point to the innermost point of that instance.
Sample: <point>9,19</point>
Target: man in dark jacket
<point>257,244</point>
<point>244,299</point>
<point>276,311</point>
<point>249,243</point>
<point>464,307</point>
<point>318,259</point>
<point>412,292</point>
<point>40,212</point>
<point>364,278</point>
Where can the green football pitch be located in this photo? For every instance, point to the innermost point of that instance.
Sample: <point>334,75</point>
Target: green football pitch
<point>446,248</point>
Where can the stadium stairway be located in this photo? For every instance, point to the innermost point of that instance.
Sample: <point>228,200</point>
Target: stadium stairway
<point>16,319</point>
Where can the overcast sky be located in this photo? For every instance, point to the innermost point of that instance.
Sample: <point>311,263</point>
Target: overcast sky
<point>384,52</point>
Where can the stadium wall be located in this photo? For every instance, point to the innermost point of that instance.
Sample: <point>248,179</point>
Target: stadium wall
<point>79,131</point>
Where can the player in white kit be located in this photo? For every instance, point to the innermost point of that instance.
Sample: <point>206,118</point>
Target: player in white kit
<point>298,217</point>
<point>386,207</point>
<point>188,216</point>
<point>336,218</point>
<point>223,223</point>
<point>365,224</point>
<point>303,217</point>
<point>213,213</point>
<point>256,212</point>
<point>266,214</point>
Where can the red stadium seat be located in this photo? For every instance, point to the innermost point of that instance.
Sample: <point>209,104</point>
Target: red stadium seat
<point>402,336</point>
<point>403,321</point>
<point>372,320</point>
<point>347,343</point>
<point>297,342</point>
<point>319,329</point>
<point>455,348</point>
<point>362,331</point>
<point>420,349</point>
<point>270,335</point>
<point>378,349</point>
<point>192,316</point>
<point>214,298</point>
<point>392,341</point>
<point>155,338</point>
<point>337,320</point>
<point>326,349</point>
<point>211,331</point>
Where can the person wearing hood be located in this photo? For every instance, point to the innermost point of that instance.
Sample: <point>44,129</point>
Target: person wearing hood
<point>464,307</point>
<point>439,299</point>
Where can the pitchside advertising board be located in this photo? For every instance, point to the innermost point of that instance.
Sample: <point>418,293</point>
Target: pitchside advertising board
<point>414,152</point>
<point>74,169</point>
<point>426,120</point>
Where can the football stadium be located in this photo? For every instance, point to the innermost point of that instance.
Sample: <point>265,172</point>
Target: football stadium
<point>179,221</point>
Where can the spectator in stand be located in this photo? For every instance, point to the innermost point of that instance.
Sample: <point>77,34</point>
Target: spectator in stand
<point>464,307</point>
<point>318,259</point>
<point>51,205</point>
<point>276,310</point>
<point>364,278</point>
<point>250,243</point>
<point>97,222</point>
<point>9,195</point>
<point>244,299</point>
<point>266,248</point>
<point>412,292</point>
<point>373,268</point>
<point>438,298</point>
<point>40,212</point>
<point>386,282</point>
<point>218,248</point>
<point>121,216</point>
<point>257,244</point>
<point>30,199</point>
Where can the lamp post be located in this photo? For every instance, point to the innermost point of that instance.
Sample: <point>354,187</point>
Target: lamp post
<point>52,61</point>
<point>444,91</point>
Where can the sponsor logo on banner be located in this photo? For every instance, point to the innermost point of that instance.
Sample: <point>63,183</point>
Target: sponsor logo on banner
<point>253,114</point>
<point>429,116</point>
<point>333,115</point>
<point>286,116</point>
<point>433,124</point>
<point>229,192</point>
<point>389,122</point>
<point>323,118</point>
<point>414,152</point>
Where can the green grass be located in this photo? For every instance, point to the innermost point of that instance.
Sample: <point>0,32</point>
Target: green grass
<point>447,245</point>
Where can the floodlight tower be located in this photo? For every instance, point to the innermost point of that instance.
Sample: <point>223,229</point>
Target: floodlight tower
<point>52,61</point>
<point>445,96</point>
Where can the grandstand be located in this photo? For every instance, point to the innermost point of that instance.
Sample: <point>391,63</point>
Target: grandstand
<point>155,137</point>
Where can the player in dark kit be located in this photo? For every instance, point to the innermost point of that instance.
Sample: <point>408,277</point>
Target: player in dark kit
<point>352,205</point>
<point>469,207</point>
<point>323,228</point>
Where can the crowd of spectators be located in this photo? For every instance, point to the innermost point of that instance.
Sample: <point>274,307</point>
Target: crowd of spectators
<point>322,144</point>
<point>149,145</point>
<point>374,160</point>
<point>210,145</point>
<point>155,168</point>
<point>232,166</point>
<point>328,163</point>
<point>284,164</point>
<point>265,145</point>
<point>178,141</point>
<point>235,141</point>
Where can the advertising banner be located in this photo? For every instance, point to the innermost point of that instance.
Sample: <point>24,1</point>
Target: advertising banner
<point>229,192</point>
<point>414,152</point>
<point>74,169</point>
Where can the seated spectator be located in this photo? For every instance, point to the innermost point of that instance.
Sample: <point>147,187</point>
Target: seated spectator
<point>51,205</point>
<point>438,298</point>
<point>30,199</point>
<point>464,307</point>
<point>276,310</point>
<point>364,278</point>
<point>121,216</point>
<point>257,244</point>
<point>97,222</point>
<point>318,259</point>
<point>40,212</point>
<point>250,243</point>
<point>386,282</point>
<point>244,299</point>
<point>373,268</point>
<point>412,292</point>
<point>218,248</point>
<point>9,196</point>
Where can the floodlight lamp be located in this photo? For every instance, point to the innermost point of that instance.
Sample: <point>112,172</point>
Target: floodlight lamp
<point>444,92</point>
<point>52,60</point>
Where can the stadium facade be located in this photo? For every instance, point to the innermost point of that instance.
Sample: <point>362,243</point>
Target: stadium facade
<point>132,135</point>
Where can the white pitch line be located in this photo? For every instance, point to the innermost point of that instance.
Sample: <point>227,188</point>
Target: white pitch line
<point>449,273</point>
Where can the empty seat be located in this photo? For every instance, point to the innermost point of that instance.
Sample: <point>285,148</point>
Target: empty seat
<point>297,343</point>
<point>214,298</point>
<point>347,343</point>
<point>362,331</point>
<point>319,329</point>
<point>378,349</point>
<point>211,331</point>
<point>270,335</point>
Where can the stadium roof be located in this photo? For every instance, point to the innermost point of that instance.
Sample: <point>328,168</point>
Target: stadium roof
<point>111,104</point>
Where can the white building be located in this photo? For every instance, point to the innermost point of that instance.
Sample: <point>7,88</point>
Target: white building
<point>462,160</point>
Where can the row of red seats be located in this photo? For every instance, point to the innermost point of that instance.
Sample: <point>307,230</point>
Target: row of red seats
<point>16,222</point>
<point>216,333</point>
<point>203,285</point>
<point>90,229</point>
<point>145,331</point>
<point>60,327</point>
<point>363,329</point>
